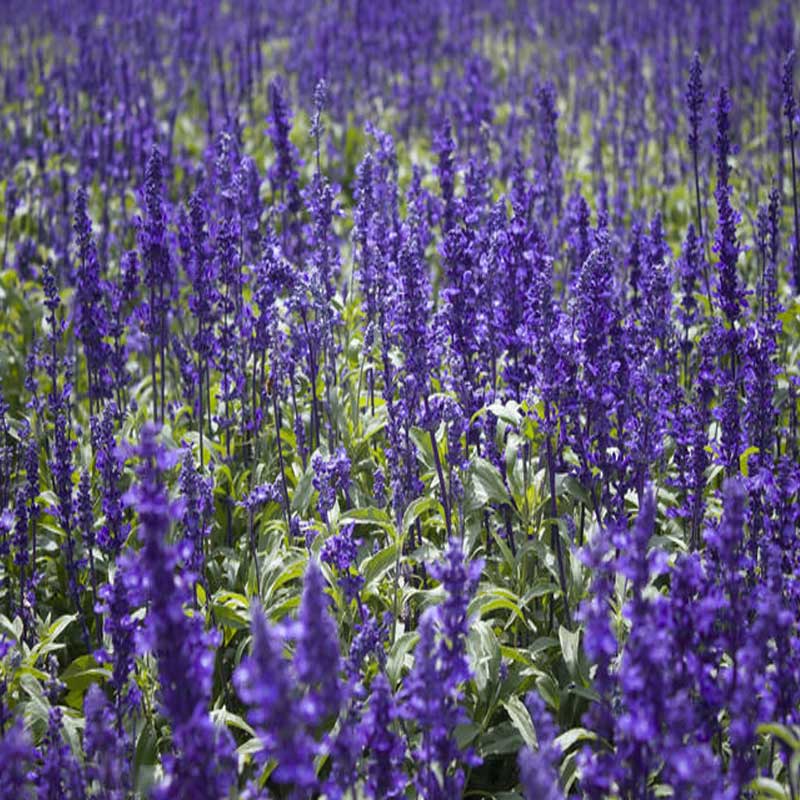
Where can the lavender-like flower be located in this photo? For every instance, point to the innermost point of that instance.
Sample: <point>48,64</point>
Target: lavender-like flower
<point>341,552</point>
<point>61,469</point>
<point>729,290</point>
<point>445,171</point>
<point>106,760</point>
<point>695,100</point>
<point>317,660</point>
<point>60,774</point>
<point>198,506</point>
<point>202,302</point>
<point>201,762</point>
<point>109,461</point>
<point>90,317</point>
<point>385,748</point>
<point>11,200</point>
<point>331,475</point>
<point>431,695</point>
<point>120,625</point>
<point>538,768</point>
<point>690,268</point>
<point>549,171</point>
<point>283,174</point>
<point>289,703</point>
<point>790,110</point>
<point>17,756</point>
<point>157,275</point>
<point>263,681</point>
<point>84,519</point>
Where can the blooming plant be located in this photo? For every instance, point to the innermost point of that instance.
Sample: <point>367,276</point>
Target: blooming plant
<point>399,400</point>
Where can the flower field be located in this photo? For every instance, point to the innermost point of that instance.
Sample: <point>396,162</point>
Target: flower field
<point>399,400</point>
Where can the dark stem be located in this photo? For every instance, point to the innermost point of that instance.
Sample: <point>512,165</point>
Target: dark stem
<point>796,257</point>
<point>700,229</point>
<point>98,618</point>
<point>200,395</point>
<point>555,539</point>
<point>163,344</point>
<point>277,416</point>
<point>253,550</point>
<point>437,461</point>
<point>5,242</point>
<point>153,358</point>
<point>226,384</point>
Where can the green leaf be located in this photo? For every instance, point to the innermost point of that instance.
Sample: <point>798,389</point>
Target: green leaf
<point>416,508</point>
<point>501,740</point>
<point>484,654</point>
<point>83,671</point>
<point>301,497</point>
<point>145,759</point>
<point>521,720</point>
<point>363,516</point>
<point>570,649</point>
<point>58,627</point>
<point>493,600</point>
<point>549,690</point>
<point>397,655</point>
<point>488,482</point>
<point>570,738</point>
<point>585,692</point>
<point>542,643</point>
<point>250,747</point>
<point>374,426</point>
<point>541,588</point>
<point>375,566</point>
<point>769,788</point>
<point>508,412</point>
<point>231,617</point>
<point>280,573</point>
<point>508,556</point>
<point>221,716</point>
<point>744,460</point>
<point>574,488</point>
<point>780,732</point>
<point>12,630</point>
<point>48,642</point>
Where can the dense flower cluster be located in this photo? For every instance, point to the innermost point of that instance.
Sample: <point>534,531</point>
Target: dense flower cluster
<point>399,399</point>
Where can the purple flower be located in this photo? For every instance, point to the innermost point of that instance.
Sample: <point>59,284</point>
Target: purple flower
<point>790,111</point>
<point>158,274</point>
<point>16,761</point>
<point>385,747</point>
<point>59,777</point>
<point>538,773</point>
<point>106,757</point>
<point>695,99</point>
<point>109,460</point>
<point>445,170</point>
<point>265,684</point>
<point>729,291</point>
<point>331,474</point>
<point>431,694</point>
<point>90,318</point>
<point>317,661</point>
<point>690,270</point>
<point>116,606</point>
<point>283,174</point>
<point>201,763</point>
<point>341,552</point>
<point>198,507</point>
<point>549,170</point>
<point>379,487</point>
